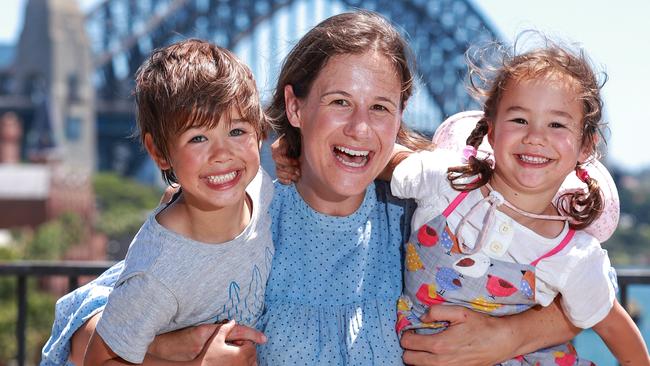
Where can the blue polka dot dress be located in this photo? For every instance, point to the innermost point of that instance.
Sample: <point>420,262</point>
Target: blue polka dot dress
<point>334,283</point>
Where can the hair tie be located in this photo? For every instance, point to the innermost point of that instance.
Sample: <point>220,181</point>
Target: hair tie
<point>468,151</point>
<point>582,174</point>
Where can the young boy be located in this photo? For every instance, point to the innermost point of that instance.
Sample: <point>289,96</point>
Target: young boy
<point>205,257</point>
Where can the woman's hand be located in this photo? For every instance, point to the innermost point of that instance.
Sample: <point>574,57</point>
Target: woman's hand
<point>470,340</point>
<point>479,339</point>
<point>286,169</point>
<point>188,343</point>
<point>218,351</point>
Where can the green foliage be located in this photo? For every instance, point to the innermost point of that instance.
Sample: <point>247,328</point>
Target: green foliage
<point>54,237</point>
<point>630,244</point>
<point>123,204</point>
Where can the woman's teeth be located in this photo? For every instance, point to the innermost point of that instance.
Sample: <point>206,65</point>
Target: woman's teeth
<point>221,179</point>
<point>351,158</point>
<point>533,159</point>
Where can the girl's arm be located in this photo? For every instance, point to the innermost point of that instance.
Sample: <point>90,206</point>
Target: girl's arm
<point>478,339</point>
<point>622,337</point>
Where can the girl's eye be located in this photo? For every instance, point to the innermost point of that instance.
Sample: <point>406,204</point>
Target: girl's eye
<point>199,138</point>
<point>237,132</point>
<point>519,121</point>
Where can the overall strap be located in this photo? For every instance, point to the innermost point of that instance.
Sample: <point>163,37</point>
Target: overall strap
<point>559,247</point>
<point>452,206</point>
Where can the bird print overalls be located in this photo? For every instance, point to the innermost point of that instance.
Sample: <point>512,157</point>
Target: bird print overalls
<point>437,271</point>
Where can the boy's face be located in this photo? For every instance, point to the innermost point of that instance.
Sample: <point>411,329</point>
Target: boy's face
<point>214,165</point>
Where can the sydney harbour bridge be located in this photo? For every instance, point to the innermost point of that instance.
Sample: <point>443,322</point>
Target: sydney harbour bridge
<point>71,79</point>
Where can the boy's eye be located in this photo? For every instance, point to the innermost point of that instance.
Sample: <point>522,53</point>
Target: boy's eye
<point>199,138</point>
<point>519,121</point>
<point>237,132</point>
<point>556,125</point>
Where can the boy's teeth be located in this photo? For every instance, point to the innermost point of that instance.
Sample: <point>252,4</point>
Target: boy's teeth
<point>220,179</point>
<point>352,152</point>
<point>533,159</point>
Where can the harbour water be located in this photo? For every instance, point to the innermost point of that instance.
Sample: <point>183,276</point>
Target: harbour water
<point>591,347</point>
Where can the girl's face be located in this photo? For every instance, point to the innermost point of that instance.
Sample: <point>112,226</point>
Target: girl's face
<point>214,165</point>
<point>348,123</point>
<point>536,136</point>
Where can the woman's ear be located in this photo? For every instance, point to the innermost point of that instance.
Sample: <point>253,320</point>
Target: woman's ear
<point>155,154</point>
<point>292,106</point>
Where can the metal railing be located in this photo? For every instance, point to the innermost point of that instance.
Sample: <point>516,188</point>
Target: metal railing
<point>22,270</point>
<point>74,269</point>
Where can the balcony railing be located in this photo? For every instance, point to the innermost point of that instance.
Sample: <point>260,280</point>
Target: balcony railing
<point>73,270</point>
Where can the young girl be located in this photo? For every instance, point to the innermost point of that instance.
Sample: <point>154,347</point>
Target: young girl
<point>490,238</point>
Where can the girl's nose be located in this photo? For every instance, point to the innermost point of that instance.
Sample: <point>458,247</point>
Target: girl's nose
<point>534,135</point>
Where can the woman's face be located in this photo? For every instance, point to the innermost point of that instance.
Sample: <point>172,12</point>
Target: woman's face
<point>348,122</point>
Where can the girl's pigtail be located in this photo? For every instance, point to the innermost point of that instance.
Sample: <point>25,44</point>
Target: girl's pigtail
<point>583,207</point>
<point>474,166</point>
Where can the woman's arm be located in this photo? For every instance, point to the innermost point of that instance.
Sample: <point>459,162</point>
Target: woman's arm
<point>622,337</point>
<point>181,345</point>
<point>478,339</point>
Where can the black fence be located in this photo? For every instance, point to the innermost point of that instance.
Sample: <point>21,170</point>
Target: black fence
<point>74,269</point>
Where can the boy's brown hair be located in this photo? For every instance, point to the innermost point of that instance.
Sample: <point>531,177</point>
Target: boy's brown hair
<point>193,83</point>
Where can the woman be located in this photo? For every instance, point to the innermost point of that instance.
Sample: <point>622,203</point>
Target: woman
<point>337,270</point>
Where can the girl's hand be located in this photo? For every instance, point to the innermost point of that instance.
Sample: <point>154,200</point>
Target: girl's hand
<point>187,344</point>
<point>220,352</point>
<point>286,169</point>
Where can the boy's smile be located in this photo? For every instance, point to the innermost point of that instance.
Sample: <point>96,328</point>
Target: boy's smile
<point>213,166</point>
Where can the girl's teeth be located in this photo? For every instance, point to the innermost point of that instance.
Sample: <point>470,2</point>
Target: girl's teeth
<point>533,159</point>
<point>220,179</point>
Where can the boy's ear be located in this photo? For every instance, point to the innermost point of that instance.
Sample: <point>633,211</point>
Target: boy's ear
<point>292,106</point>
<point>155,154</point>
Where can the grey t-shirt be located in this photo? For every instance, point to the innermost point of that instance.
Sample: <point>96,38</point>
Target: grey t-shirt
<point>171,282</point>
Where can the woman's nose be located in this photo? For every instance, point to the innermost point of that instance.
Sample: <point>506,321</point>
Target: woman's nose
<point>358,124</point>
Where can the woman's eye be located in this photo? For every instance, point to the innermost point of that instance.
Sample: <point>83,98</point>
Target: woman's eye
<point>341,102</point>
<point>379,107</point>
<point>199,138</point>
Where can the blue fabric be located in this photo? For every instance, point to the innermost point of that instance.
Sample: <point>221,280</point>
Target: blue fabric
<point>334,282</point>
<point>331,294</point>
<point>72,310</point>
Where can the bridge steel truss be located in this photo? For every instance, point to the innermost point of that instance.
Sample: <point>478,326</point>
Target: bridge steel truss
<point>439,31</point>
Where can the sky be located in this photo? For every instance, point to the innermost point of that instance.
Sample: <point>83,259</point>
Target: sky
<point>615,35</point>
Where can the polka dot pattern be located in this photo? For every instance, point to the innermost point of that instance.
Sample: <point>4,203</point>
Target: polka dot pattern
<point>334,282</point>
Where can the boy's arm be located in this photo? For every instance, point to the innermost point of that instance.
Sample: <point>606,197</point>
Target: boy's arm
<point>622,337</point>
<point>478,339</point>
